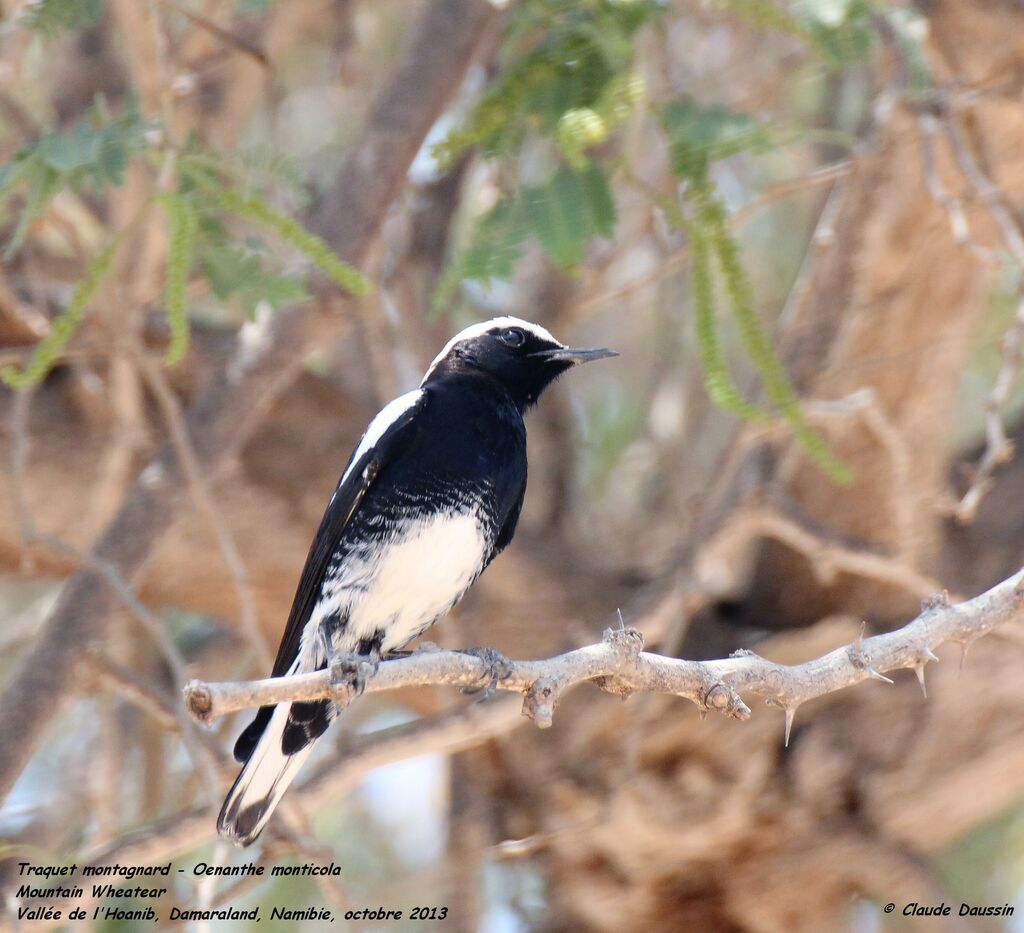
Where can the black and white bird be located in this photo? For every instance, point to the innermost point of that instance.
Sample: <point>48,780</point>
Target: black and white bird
<point>430,496</point>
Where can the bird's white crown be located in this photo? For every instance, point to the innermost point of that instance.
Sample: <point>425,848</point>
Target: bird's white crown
<point>478,330</point>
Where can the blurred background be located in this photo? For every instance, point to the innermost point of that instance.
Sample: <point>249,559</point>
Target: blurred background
<point>233,229</point>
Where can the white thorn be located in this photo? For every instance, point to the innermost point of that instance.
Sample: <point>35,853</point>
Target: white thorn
<point>919,670</point>
<point>790,713</point>
<point>874,675</point>
<point>929,654</point>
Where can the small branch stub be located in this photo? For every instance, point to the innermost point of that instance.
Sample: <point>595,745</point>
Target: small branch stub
<point>198,701</point>
<point>539,703</point>
<point>723,699</point>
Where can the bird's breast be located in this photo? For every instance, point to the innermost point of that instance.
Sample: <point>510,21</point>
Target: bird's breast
<point>394,591</point>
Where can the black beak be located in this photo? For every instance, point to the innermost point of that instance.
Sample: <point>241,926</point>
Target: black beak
<point>575,355</point>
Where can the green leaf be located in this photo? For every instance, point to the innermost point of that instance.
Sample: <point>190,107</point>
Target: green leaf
<point>558,57</point>
<point>13,172</point>
<point>599,201</point>
<point>699,135</point>
<point>112,157</point>
<point>563,215</point>
<point>841,30</point>
<point>70,150</point>
<point>46,352</point>
<point>182,227</point>
<point>43,185</point>
<point>497,243</point>
<point>495,246</point>
<point>910,28</point>
<point>234,272</point>
<point>94,151</point>
<point>51,17</point>
<point>258,211</point>
<point>712,231</point>
<point>569,211</point>
<point>764,14</point>
<point>719,384</point>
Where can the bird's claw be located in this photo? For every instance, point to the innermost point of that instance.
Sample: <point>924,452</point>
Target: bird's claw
<point>496,668</point>
<point>353,670</point>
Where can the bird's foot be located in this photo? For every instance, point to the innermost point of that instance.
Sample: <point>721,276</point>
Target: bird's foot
<point>353,670</point>
<point>496,668</point>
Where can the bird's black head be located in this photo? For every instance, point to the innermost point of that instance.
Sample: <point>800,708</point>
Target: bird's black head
<point>523,357</point>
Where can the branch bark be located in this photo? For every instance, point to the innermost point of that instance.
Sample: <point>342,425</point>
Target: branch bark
<point>266,360</point>
<point>618,665</point>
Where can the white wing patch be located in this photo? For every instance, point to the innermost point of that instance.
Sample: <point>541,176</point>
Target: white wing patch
<point>478,330</point>
<point>386,417</point>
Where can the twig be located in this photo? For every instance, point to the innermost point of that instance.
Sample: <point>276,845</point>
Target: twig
<point>928,127</point>
<point>177,429</point>
<point>678,258</point>
<point>903,501</point>
<point>226,36</point>
<point>827,559</point>
<point>988,191</point>
<point>822,175</point>
<point>998,447</point>
<point>127,685</point>
<point>619,665</point>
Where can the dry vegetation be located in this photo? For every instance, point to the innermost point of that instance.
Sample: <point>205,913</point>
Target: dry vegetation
<point>883,243</point>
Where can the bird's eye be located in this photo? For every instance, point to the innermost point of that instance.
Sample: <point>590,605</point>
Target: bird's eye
<point>512,337</point>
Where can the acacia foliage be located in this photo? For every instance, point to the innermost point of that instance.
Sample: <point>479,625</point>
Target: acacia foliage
<point>548,122</point>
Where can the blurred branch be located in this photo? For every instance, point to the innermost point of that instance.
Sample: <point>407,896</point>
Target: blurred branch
<point>669,265</point>
<point>177,429</point>
<point>619,666</point>
<point>116,586</point>
<point>265,363</point>
<point>928,128</point>
<point>998,447</point>
<point>330,778</point>
<point>941,116</point>
<point>128,685</point>
<point>827,559</point>
<point>226,36</point>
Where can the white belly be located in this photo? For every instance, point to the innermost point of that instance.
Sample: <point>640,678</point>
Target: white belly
<point>411,582</point>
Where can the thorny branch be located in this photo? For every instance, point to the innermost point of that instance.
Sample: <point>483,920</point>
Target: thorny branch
<point>619,665</point>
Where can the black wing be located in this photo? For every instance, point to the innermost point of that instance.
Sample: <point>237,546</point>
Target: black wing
<point>508,528</point>
<point>352,488</point>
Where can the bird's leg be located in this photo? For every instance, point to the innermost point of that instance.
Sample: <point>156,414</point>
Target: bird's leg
<point>496,667</point>
<point>328,631</point>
